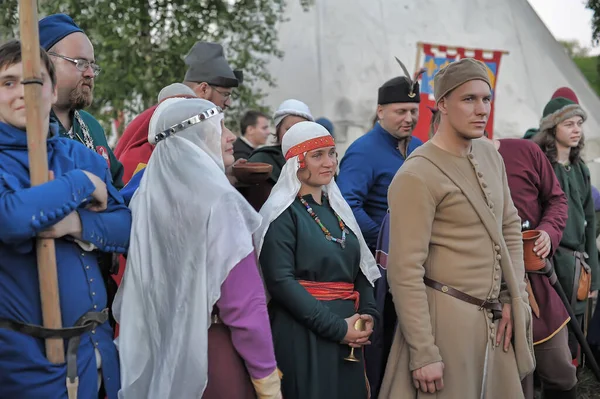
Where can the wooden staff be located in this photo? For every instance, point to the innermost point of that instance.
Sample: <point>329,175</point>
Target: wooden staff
<point>37,133</point>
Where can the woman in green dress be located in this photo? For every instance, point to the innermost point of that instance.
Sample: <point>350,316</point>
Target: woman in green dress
<point>318,271</point>
<point>561,138</point>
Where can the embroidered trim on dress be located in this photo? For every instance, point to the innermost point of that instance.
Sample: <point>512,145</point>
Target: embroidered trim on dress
<point>87,138</point>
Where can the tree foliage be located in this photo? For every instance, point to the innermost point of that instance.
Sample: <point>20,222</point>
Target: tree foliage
<point>574,48</point>
<point>589,67</point>
<point>140,44</point>
<point>594,5</point>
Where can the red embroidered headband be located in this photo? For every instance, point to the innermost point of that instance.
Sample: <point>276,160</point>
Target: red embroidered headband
<point>309,145</point>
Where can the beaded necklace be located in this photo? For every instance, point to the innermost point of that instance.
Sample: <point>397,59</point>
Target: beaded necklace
<point>328,236</point>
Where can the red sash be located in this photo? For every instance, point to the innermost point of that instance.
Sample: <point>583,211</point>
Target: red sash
<point>329,291</point>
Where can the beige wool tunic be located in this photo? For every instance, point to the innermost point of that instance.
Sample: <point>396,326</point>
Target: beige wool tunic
<point>436,232</point>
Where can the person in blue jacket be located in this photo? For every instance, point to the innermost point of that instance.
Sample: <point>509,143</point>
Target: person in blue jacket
<point>81,210</point>
<point>371,161</point>
<point>366,171</point>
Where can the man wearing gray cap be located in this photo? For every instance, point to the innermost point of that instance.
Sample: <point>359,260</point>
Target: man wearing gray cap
<point>208,75</point>
<point>455,265</point>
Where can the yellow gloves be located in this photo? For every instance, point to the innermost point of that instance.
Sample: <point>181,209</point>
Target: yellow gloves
<point>269,387</point>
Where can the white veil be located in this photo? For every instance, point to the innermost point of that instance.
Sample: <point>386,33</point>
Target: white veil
<point>288,186</point>
<point>190,228</point>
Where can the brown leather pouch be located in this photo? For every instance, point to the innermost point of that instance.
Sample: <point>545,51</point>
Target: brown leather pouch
<point>585,281</point>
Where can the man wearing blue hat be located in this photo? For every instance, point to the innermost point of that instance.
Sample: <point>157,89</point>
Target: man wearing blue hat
<point>76,71</point>
<point>72,54</point>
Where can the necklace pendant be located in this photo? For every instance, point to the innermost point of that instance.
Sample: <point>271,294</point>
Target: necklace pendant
<point>343,244</point>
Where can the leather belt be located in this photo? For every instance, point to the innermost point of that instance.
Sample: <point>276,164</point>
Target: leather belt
<point>82,326</point>
<point>495,307</point>
<point>88,322</point>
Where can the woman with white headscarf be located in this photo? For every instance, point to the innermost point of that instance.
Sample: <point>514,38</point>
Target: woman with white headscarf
<point>191,287</point>
<point>318,270</point>
<point>287,115</point>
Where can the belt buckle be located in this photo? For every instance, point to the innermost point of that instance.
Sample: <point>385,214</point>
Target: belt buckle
<point>483,304</point>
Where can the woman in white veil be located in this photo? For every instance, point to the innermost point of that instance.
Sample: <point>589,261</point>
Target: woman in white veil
<point>191,302</point>
<point>319,273</point>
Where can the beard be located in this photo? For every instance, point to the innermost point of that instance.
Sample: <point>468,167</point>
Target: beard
<point>82,95</point>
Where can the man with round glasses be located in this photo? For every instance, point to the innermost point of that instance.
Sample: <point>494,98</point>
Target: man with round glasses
<point>208,76</point>
<point>76,70</point>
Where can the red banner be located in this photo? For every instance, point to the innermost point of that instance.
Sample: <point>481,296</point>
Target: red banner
<point>434,57</point>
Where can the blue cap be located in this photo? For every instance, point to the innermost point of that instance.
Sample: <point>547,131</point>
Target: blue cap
<point>326,123</point>
<point>54,28</point>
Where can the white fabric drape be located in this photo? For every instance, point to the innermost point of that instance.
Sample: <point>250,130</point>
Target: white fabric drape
<point>287,188</point>
<point>190,228</point>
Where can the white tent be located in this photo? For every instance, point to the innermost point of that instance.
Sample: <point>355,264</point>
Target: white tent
<point>340,51</point>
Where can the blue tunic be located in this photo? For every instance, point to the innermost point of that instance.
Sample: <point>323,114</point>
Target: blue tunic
<point>25,211</point>
<point>131,187</point>
<point>366,171</point>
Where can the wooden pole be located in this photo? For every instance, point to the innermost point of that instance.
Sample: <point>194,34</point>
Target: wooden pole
<point>37,133</point>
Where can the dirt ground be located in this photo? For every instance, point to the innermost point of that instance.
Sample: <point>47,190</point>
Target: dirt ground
<point>587,388</point>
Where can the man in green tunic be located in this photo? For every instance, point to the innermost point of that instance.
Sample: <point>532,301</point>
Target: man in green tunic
<point>76,71</point>
<point>561,138</point>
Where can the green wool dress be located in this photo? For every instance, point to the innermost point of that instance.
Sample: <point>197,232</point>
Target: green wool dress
<point>307,332</point>
<point>580,233</point>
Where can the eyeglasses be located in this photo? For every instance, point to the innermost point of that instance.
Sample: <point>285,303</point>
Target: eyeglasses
<point>81,64</point>
<point>225,95</point>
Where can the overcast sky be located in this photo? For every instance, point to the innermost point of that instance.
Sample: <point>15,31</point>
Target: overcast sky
<point>567,20</point>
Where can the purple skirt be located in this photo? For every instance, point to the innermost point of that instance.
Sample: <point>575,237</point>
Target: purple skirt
<point>227,375</point>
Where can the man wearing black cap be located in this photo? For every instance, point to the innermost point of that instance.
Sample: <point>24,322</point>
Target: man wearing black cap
<point>76,71</point>
<point>366,172</point>
<point>208,75</point>
<point>371,161</point>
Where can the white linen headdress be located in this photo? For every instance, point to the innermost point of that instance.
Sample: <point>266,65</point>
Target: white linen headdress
<point>292,107</point>
<point>176,90</point>
<point>301,138</point>
<point>190,228</point>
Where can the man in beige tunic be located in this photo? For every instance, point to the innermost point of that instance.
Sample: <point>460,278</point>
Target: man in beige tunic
<point>456,257</point>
